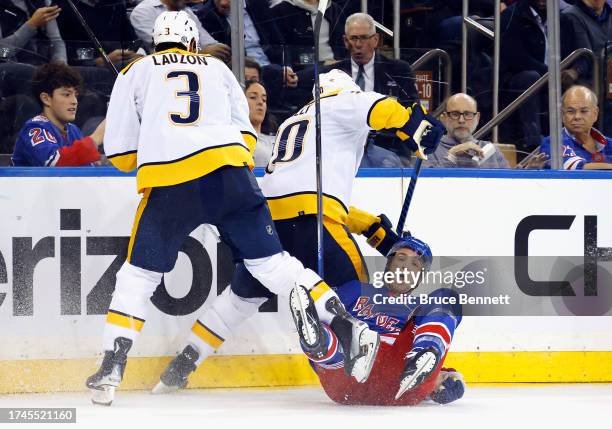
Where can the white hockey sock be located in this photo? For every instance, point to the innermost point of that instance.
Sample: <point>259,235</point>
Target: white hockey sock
<point>281,272</point>
<point>128,309</point>
<point>218,322</point>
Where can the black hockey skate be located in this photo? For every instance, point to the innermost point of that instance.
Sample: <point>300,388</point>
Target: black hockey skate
<point>104,382</point>
<point>418,366</point>
<point>307,322</point>
<point>176,373</point>
<point>359,342</point>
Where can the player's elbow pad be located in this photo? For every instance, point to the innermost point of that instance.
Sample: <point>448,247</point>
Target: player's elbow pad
<point>388,113</point>
<point>381,235</point>
<point>80,152</point>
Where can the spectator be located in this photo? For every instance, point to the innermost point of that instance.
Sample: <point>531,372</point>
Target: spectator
<point>259,29</point>
<point>377,157</point>
<point>28,35</point>
<point>523,60</point>
<point>143,17</point>
<point>110,24</point>
<point>51,139</point>
<point>252,70</point>
<point>584,147</point>
<point>258,106</point>
<point>295,20</point>
<point>458,146</point>
<point>29,31</point>
<point>372,71</point>
<point>259,32</point>
<point>586,24</point>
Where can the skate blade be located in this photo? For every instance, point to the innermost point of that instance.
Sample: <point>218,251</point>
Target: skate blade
<point>163,389</point>
<point>368,341</point>
<point>425,365</point>
<point>299,302</point>
<point>103,396</point>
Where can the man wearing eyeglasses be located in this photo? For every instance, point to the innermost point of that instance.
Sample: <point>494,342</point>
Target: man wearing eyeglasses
<point>584,147</point>
<point>370,70</point>
<point>458,147</point>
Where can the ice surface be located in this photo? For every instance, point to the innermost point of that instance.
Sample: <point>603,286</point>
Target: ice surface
<point>516,406</point>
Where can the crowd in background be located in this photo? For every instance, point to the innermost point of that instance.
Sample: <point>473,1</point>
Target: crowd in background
<point>279,64</point>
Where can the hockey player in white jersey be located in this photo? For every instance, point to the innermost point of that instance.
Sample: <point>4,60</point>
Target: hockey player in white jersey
<point>181,119</point>
<point>347,116</point>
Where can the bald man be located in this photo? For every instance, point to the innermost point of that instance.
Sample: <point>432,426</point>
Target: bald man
<point>584,147</point>
<point>458,146</point>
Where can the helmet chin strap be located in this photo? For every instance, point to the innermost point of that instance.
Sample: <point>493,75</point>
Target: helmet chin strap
<point>193,47</point>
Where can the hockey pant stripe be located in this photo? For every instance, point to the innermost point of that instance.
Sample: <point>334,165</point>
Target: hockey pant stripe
<point>207,335</point>
<point>124,320</point>
<point>139,212</point>
<point>343,238</point>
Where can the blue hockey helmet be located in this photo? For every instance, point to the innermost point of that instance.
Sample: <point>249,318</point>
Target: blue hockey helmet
<point>420,247</point>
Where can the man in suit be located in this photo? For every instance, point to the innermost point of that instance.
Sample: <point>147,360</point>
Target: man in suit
<point>259,32</point>
<point>370,70</point>
<point>258,27</point>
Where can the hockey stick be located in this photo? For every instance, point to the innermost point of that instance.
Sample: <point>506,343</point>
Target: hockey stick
<point>317,95</point>
<point>422,130</point>
<point>408,198</point>
<point>92,36</point>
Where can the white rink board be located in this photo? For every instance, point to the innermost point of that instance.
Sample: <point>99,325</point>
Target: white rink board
<point>456,216</point>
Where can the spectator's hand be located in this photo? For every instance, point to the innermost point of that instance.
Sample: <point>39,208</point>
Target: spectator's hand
<point>464,148</point>
<point>537,162</point>
<point>118,56</point>
<point>291,79</point>
<point>130,56</point>
<point>43,15</point>
<point>219,50</point>
<point>98,135</point>
<point>568,77</point>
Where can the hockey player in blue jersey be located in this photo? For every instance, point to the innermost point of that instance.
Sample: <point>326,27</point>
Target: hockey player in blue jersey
<point>414,338</point>
<point>50,139</point>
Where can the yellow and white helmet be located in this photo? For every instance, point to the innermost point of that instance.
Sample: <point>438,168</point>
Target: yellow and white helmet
<point>336,80</point>
<point>175,27</point>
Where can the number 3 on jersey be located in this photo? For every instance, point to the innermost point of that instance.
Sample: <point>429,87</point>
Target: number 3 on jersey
<point>289,143</point>
<point>192,93</point>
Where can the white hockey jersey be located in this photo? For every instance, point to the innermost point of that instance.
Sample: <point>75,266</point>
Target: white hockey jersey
<point>346,118</point>
<point>177,116</point>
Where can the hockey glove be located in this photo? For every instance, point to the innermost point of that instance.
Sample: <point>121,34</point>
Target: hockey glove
<point>422,132</point>
<point>449,387</point>
<point>381,235</point>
